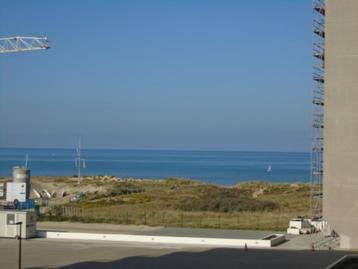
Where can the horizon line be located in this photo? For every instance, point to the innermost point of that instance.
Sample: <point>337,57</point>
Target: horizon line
<point>151,149</point>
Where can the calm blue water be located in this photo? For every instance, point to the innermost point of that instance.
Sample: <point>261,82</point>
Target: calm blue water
<point>220,167</point>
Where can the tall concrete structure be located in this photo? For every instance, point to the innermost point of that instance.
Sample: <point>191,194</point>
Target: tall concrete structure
<point>340,181</point>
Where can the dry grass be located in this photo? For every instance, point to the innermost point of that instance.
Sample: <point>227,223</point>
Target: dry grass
<point>184,203</point>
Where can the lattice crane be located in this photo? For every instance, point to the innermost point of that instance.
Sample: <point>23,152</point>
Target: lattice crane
<point>21,43</point>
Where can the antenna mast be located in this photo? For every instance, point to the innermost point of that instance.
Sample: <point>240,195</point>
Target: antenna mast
<point>26,160</point>
<point>79,161</point>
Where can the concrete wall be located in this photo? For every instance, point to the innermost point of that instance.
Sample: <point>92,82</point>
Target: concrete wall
<point>266,242</point>
<point>340,188</point>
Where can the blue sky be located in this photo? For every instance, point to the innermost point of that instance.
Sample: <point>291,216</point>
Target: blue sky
<point>206,75</point>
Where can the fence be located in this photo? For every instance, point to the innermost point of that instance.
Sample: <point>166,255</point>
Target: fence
<point>170,218</point>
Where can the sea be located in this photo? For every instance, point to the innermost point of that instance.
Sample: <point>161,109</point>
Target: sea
<point>216,167</point>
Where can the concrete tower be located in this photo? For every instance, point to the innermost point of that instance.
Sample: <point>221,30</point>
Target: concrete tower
<point>340,182</point>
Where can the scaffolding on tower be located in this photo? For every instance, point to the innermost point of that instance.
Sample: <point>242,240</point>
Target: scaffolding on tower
<point>318,108</point>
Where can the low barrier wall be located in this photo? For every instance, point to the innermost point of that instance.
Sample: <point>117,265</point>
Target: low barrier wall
<point>270,240</point>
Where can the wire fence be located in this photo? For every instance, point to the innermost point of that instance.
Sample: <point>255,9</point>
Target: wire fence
<point>171,218</point>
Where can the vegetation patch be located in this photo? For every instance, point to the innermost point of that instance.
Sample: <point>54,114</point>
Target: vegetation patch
<point>178,202</point>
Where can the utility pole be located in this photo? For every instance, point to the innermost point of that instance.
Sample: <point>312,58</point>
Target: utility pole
<point>19,238</point>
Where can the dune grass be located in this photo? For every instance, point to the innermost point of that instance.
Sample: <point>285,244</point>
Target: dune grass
<point>186,203</point>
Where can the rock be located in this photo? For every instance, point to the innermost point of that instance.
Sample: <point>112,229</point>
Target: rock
<point>257,193</point>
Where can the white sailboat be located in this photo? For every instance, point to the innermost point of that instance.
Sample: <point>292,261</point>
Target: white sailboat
<point>269,169</point>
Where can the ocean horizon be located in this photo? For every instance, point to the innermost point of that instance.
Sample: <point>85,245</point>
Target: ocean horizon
<point>218,167</point>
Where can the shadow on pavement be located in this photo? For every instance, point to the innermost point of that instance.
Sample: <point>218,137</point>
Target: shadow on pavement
<point>220,258</point>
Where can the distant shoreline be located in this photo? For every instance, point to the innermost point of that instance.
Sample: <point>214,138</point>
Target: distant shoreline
<point>216,183</point>
<point>133,179</point>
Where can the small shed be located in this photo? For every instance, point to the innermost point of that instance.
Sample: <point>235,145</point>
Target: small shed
<point>9,218</point>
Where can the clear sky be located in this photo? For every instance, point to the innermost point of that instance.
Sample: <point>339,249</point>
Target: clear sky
<point>188,74</point>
